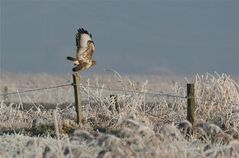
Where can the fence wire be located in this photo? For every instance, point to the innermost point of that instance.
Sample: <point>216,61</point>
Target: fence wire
<point>36,89</point>
<point>161,94</point>
<point>95,87</point>
<point>138,92</point>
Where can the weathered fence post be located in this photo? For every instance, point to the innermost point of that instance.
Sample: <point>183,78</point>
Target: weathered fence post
<point>5,91</point>
<point>114,103</point>
<point>190,103</point>
<point>78,106</point>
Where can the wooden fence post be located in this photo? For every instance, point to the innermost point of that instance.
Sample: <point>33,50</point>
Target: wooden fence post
<point>190,103</point>
<point>5,91</point>
<point>114,103</point>
<point>78,106</point>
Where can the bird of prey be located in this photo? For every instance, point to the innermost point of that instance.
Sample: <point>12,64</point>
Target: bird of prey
<point>84,51</point>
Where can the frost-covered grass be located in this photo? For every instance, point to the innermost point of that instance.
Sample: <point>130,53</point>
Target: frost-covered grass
<point>146,125</point>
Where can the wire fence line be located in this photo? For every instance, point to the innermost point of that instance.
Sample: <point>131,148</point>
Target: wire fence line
<point>36,89</point>
<point>155,94</point>
<point>139,92</point>
<point>95,87</point>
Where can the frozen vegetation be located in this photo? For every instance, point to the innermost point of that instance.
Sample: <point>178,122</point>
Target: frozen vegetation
<point>41,123</point>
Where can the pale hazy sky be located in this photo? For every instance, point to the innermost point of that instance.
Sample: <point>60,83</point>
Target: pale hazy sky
<point>143,36</point>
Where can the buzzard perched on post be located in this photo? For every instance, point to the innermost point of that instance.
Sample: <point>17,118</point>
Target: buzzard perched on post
<point>84,51</point>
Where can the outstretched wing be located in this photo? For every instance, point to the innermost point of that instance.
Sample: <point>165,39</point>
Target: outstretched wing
<point>82,37</point>
<point>87,55</point>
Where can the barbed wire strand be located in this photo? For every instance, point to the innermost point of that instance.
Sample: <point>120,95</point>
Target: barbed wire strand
<point>138,92</point>
<point>36,89</point>
<point>162,94</point>
<point>94,87</point>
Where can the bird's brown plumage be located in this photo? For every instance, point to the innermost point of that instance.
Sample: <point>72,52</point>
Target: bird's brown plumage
<point>84,51</point>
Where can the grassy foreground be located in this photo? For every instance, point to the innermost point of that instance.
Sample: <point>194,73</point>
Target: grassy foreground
<point>146,125</point>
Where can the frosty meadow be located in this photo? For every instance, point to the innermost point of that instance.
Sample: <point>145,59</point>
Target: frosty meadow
<point>146,125</point>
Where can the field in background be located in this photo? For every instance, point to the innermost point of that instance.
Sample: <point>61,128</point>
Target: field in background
<point>147,125</point>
